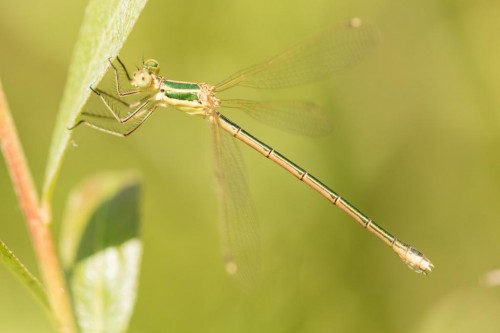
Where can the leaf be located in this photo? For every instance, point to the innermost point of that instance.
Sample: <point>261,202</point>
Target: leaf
<point>105,27</point>
<point>22,273</point>
<point>101,250</point>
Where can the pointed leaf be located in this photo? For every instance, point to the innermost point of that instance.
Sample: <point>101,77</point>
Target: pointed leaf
<point>22,273</point>
<point>101,249</point>
<point>105,27</point>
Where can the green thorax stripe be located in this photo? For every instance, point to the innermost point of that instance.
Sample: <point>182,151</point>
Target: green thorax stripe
<point>184,96</point>
<point>185,91</point>
<point>177,85</point>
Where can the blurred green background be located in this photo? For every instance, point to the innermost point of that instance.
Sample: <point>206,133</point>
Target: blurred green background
<point>415,146</point>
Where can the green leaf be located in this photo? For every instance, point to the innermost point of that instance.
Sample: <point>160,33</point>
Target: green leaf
<point>105,27</point>
<point>22,273</point>
<point>101,250</point>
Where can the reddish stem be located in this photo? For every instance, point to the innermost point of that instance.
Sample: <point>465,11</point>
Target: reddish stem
<point>37,220</point>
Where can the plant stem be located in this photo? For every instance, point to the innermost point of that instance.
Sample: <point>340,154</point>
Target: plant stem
<point>37,220</point>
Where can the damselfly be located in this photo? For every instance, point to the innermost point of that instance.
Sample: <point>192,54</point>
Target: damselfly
<point>138,96</point>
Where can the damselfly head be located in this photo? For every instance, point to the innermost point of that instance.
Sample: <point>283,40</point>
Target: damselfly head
<point>143,78</point>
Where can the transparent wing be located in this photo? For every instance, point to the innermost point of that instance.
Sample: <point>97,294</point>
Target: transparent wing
<point>300,117</point>
<point>321,55</point>
<point>239,232</point>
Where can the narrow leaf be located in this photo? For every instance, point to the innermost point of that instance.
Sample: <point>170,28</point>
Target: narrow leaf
<point>105,27</point>
<point>22,273</point>
<point>101,250</point>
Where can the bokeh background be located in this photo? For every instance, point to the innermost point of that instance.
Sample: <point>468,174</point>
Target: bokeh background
<point>415,145</point>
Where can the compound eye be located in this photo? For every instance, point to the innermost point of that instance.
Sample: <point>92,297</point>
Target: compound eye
<point>152,66</point>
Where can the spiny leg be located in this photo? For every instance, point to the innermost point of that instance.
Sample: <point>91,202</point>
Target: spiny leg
<point>140,118</point>
<point>139,105</point>
<point>117,79</point>
<point>122,65</point>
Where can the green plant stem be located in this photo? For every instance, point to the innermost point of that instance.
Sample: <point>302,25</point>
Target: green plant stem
<point>37,220</point>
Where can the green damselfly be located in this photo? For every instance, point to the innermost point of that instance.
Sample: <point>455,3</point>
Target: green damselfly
<point>318,56</point>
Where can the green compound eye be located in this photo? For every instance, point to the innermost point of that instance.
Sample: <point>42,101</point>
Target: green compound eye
<point>152,66</point>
